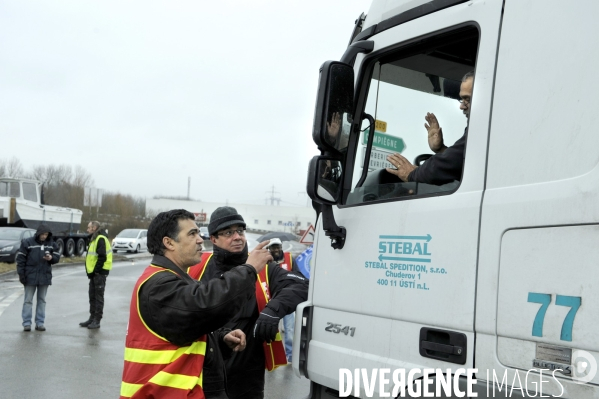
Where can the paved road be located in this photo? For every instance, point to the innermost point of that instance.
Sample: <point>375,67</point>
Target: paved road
<point>68,361</point>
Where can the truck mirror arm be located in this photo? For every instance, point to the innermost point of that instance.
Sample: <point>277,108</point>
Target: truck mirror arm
<point>330,227</point>
<point>362,46</point>
<point>357,28</point>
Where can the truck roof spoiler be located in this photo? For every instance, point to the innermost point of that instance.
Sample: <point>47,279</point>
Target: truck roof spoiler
<point>409,15</point>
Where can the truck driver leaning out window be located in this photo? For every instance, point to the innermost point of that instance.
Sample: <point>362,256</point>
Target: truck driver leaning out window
<point>448,162</point>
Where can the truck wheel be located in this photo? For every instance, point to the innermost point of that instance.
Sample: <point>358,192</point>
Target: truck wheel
<point>80,247</point>
<point>69,248</point>
<point>60,245</point>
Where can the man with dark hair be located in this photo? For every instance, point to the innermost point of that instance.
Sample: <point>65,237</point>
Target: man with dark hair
<point>98,264</point>
<point>276,294</point>
<point>447,164</point>
<point>35,258</point>
<point>175,340</point>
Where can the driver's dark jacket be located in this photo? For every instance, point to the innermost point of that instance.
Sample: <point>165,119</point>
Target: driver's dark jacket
<point>443,167</point>
<point>181,309</point>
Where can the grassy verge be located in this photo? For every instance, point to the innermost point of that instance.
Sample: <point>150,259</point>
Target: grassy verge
<point>7,267</point>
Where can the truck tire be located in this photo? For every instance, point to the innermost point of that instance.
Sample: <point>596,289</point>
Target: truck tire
<point>80,247</point>
<point>60,244</point>
<point>69,248</point>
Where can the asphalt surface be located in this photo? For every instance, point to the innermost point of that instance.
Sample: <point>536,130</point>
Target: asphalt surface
<point>68,361</point>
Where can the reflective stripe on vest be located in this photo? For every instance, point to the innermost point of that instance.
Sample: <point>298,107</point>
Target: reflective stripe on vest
<point>92,256</point>
<point>274,352</point>
<point>154,367</point>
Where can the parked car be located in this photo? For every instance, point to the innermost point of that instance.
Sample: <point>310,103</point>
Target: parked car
<point>204,233</point>
<point>131,240</point>
<point>10,241</point>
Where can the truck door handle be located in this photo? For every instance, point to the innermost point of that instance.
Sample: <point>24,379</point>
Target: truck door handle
<point>448,346</point>
<point>449,349</point>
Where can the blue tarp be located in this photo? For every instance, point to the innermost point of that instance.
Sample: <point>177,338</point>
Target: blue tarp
<point>304,261</point>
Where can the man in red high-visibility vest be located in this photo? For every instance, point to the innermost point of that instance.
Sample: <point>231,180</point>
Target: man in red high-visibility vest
<point>278,292</point>
<point>170,348</point>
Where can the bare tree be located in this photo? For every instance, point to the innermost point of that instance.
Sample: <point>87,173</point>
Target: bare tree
<point>82,178</point>
<point>63,186</point>
<point>11,168</point>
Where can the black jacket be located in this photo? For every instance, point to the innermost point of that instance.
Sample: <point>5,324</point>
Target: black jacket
<point>443,167</point>
<point>32,268</point>
<point>180,309</point>
<point>245,370</point>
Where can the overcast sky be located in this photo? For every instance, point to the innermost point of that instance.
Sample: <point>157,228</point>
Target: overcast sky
<point>143,94</point>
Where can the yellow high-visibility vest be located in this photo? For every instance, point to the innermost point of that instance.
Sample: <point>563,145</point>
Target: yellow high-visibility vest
<point>92,256</point>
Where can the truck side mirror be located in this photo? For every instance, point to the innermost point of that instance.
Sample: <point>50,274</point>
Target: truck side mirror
<point>324,180</point>
<point>334,104</point>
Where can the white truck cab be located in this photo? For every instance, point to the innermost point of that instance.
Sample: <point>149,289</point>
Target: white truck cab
<point>493,270</point>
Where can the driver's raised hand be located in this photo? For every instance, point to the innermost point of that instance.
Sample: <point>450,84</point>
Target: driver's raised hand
<point>435,133</point>
<point>259,257</point>
<point>334,127</point>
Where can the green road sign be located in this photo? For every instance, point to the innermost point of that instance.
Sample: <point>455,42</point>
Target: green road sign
<point>386,142</point>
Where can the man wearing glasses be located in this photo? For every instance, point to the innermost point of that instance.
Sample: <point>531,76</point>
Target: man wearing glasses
<point>448,162</point>
<point>278,292</point>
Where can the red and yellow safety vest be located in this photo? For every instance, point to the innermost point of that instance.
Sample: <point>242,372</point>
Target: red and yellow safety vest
<point>274,352</point>
<point>154,367</point>
<point>287,263</point>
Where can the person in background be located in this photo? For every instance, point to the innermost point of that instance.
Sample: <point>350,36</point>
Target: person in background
<point>35,258</point>
<point>98,264</point>
<point>286,262</point>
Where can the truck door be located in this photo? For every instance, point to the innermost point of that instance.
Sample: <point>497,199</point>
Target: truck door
<point>401,293</point>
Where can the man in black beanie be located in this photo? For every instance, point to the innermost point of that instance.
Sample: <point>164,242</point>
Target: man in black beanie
<point>278,292</point>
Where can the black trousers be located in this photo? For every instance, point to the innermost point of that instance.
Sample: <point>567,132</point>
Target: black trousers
<point>97,285</point>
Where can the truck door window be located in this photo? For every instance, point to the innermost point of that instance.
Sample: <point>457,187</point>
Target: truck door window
<point>30,192</point>
<point>407,87</point>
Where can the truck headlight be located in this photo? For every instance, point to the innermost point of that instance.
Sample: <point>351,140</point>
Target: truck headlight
<point>6,249</point>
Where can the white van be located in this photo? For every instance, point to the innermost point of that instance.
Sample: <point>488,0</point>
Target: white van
<point>494,270</point>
